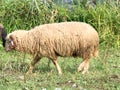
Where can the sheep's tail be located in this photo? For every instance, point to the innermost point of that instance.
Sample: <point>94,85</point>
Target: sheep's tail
<point>96,53</point>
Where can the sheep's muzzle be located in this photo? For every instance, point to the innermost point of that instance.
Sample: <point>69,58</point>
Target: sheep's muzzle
<point>9,45</point>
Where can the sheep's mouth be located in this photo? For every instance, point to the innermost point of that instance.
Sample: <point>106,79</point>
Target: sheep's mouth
<point>7,50</point>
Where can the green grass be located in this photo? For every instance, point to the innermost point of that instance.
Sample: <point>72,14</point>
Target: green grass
<point>104,73</point>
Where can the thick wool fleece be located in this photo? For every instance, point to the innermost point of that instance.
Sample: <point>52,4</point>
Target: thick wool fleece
<point>75,39</point>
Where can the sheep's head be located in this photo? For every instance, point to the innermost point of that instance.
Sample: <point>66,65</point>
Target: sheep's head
<point>11,42</point>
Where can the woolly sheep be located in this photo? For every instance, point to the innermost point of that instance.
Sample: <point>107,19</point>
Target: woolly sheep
<point>3,34</point>
<point>66,39</point>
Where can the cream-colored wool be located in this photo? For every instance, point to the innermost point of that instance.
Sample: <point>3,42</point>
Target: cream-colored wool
<point>64,39</point>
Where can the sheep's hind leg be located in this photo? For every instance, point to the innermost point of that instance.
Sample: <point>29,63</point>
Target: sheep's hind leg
<point>57,66</point>
<point>84,66</point>
<point>35,60</point>
<point>81,66</point>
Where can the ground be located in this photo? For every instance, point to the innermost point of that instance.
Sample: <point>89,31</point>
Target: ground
<point>104,72</point>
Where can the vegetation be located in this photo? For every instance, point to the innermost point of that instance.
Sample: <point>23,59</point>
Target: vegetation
<point>25,14</point>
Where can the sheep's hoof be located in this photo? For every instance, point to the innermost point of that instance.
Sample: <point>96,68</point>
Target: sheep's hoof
<point>80,69</point>
<point>30,74</point>
<point>85,72</point>
<point>60,73</point>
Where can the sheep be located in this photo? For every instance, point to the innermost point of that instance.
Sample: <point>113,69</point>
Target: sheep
<point>65,39</point>
<point>3,34</point>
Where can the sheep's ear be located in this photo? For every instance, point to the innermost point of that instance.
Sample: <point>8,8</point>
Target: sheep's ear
<point>14,41</point>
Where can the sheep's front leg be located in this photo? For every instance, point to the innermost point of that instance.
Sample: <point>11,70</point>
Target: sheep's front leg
<point>34,61</point>
<point>57,66</point>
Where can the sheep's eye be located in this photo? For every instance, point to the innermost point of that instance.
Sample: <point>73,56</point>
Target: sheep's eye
<point>9,41</point>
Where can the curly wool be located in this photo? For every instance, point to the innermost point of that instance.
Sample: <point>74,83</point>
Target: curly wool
<point>75,39</point>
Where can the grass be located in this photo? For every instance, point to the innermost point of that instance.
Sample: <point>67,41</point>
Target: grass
<point>104,73</point>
